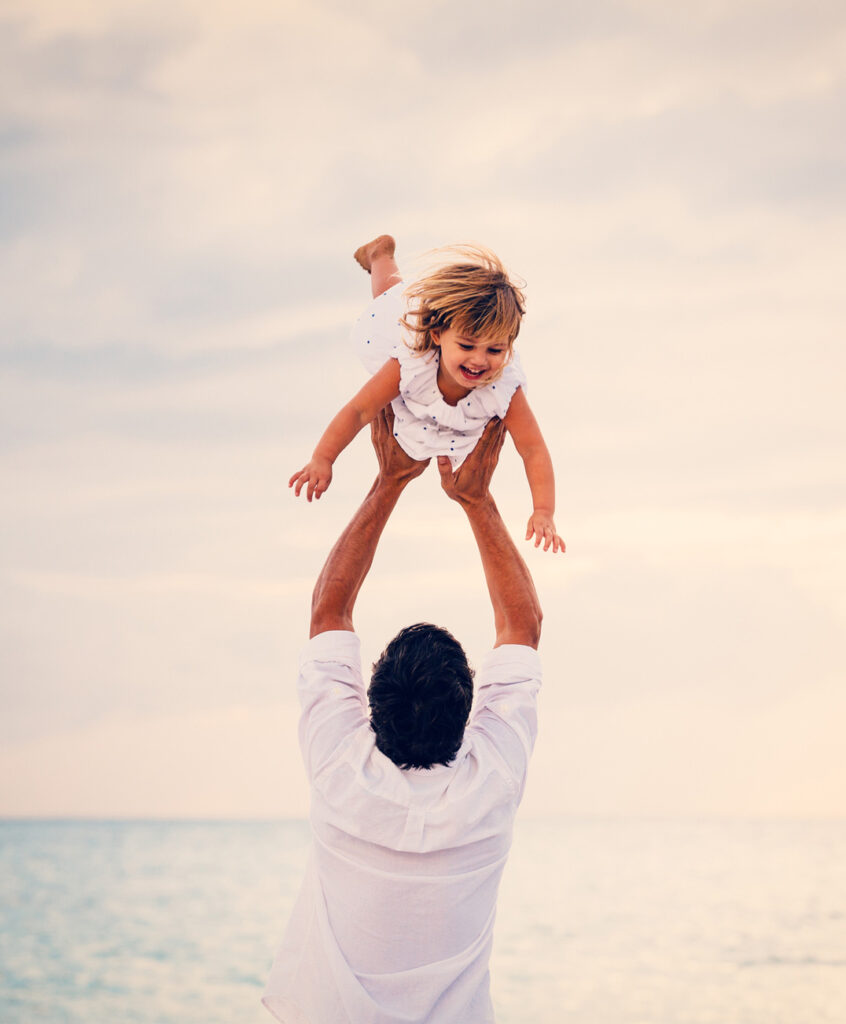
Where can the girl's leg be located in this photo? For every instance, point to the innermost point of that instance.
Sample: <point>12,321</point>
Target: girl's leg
<point>377,258</point>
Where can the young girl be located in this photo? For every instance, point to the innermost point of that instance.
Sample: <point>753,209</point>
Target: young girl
<point>457,371</point>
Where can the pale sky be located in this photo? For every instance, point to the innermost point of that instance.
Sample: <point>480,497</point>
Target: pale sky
<point>183,185</point>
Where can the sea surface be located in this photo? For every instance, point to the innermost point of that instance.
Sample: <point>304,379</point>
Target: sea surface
<point>600,922</point>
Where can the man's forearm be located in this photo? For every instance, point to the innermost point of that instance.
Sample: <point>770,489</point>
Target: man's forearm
<point>350,559</point>
<point>517,611</point>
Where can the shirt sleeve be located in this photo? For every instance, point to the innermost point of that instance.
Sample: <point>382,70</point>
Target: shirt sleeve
<point>333,702</point>
<point>505,713</point>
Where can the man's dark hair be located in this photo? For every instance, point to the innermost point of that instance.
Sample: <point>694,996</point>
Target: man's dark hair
<point>420,696</point>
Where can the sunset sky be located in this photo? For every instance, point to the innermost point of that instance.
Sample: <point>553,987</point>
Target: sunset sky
<point>182,186</point>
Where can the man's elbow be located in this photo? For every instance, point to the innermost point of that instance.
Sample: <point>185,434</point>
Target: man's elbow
<point>326,616</point>
<point>534,626</point>
<point>523,628</point>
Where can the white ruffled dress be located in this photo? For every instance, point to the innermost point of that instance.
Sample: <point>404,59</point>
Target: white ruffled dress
<point>424,424</point>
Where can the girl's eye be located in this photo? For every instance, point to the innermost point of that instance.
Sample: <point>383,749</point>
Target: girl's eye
<point>495,351</point>
<point>467,348</point>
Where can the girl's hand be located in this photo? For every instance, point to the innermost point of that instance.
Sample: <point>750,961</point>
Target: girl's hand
<point>542,528</point>
<point>317,474</point>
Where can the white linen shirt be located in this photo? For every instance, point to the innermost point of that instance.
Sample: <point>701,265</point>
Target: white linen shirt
<point>394,920</point>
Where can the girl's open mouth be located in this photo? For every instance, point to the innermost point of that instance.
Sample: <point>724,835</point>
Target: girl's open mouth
<point>471,374</point>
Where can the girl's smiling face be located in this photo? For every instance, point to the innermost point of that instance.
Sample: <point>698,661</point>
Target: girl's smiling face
<point>467,362</point>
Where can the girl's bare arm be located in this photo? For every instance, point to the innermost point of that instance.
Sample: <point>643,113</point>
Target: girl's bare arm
<point>523,427</point>
<point>316,475</point>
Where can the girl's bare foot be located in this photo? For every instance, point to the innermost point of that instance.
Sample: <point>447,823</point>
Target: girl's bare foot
<point>377,258</point>
<point>383,245</point>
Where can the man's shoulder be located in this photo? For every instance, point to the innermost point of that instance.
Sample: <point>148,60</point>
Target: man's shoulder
<point>330,666</point>
<point>504,717</point>
<point>508,682</point>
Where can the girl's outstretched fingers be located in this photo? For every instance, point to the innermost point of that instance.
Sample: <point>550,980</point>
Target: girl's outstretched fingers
<point>542,528</point>
<point>315,477</point>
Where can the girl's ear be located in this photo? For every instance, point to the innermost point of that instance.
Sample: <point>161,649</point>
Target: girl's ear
<point>436,338</point>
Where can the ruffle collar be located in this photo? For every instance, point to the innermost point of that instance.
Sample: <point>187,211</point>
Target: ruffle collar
<point>419,390</point>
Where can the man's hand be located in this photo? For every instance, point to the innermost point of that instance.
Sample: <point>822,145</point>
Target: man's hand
<point>471,482</point>
<point>394,463</point>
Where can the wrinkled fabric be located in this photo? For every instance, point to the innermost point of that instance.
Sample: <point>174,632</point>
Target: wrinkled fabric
<point>394,920</point>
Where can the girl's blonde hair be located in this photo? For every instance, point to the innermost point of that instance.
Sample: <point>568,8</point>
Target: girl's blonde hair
<point>472,293</point>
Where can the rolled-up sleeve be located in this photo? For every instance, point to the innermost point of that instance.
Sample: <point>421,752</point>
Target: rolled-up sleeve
<point>506,708</point>
<point>333,702</point>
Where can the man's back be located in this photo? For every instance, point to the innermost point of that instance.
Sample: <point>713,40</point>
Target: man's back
<point>395,918</point>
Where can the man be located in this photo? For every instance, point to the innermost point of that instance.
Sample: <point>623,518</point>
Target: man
<point>411,807</point>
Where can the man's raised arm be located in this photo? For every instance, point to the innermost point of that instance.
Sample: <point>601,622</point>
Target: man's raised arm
<point>517,611</point>
<point>350,559</point>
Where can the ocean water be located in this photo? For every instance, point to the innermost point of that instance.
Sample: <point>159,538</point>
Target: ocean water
<point>600,922</point>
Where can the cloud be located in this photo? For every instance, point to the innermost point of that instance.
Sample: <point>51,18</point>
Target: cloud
<point>234,761</point>
<point>683,755</point>
<point>183,185</point>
